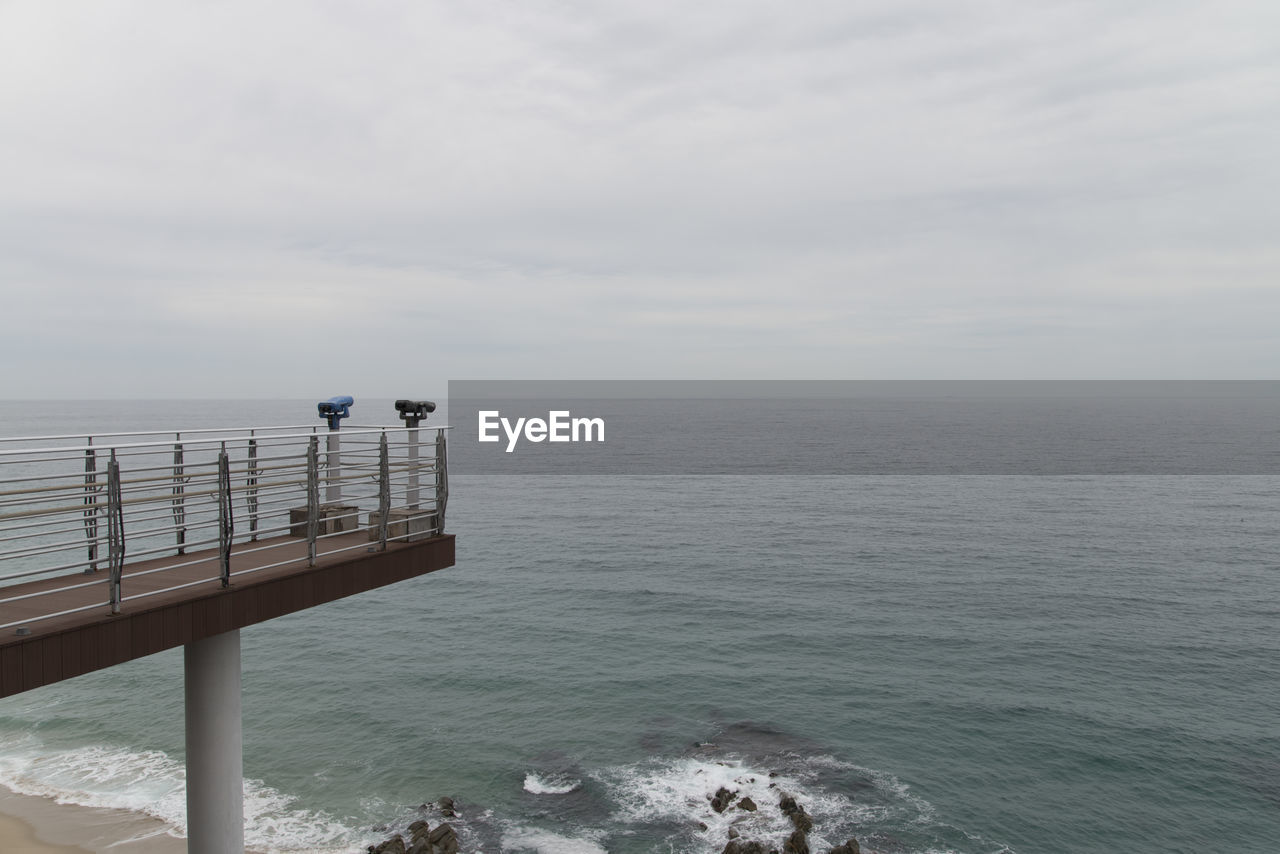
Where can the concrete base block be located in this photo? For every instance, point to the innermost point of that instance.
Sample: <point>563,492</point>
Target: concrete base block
<point>404,524</point>
<point>334,519</point>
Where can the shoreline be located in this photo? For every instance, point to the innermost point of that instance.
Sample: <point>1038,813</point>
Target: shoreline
<point>30,824</point>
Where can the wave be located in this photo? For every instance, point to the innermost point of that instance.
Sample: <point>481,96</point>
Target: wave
<point>540,841</point>
<point>152,783</point>
<point>678,793</point>
<point>550,784</point>
<point>663,802</point>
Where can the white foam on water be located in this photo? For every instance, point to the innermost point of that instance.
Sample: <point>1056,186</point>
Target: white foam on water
<point>539,841</point>
<point>551,784</point>
<point>152,783</point>
<point>679,791</point>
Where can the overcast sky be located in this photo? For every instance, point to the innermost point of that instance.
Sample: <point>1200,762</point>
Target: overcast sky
<point>305,199</point>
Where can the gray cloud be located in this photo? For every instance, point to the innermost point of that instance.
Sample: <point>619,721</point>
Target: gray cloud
<point>206,199</point>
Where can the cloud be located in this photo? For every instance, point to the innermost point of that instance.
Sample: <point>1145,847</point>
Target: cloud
<point>733,189</point>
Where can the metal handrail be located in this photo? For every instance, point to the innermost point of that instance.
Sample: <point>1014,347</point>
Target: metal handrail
<point>183,432</point>
<point>205,496</point>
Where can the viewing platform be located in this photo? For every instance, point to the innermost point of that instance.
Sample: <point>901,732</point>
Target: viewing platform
<point>116,546</point>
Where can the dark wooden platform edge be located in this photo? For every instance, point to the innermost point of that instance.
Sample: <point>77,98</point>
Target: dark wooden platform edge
<point>103,640</point>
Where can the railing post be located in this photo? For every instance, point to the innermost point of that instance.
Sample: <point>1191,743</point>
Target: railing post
<point>384,490</point>
<point>226,524</point>
<point>251,496</point>
<point>313,498</point>
<point>115,531</point>
<point>179,500</point>
<point>442,480</point>
<point>91,503</point>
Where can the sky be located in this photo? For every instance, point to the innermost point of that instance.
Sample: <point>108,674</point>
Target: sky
<point>300,199</point>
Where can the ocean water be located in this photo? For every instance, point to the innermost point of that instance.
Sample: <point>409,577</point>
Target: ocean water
<point>971,664</point>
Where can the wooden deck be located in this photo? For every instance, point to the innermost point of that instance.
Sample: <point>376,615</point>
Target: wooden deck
<point>61,647</point>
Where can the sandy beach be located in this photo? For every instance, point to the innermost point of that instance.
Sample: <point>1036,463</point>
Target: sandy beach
<point>32,825</point>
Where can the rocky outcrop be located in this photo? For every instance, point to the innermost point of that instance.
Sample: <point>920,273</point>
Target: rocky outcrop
<point>423,838</point>
<point>419,841</point>
<point>800,819</point>
<point>394,845</point>
<point>722,798</point>
<point>796,843</point>
<point>443,840</point>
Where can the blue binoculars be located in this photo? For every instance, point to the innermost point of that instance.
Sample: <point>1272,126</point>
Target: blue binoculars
<point>335,408</point>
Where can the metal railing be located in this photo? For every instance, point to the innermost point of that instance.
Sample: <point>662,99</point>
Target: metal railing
<point>78,504</point>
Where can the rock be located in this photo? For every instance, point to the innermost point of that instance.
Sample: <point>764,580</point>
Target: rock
<point>747,804</point>
<point>737,846</point>
<point>420,838</point>
<point>850,847</point>
<point>702,825</point>
<point>733,833</point>
<point>800,820</point>
<point>722,799</point>
<point>394,845</point>
<point>442,832</point>
<point>797,843</point>
<point>447,807</point>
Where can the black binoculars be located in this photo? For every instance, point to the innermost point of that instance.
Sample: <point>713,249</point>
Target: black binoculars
<point>413,411</point>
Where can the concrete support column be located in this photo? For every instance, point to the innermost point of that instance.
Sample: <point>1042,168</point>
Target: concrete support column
<point>215,760</point>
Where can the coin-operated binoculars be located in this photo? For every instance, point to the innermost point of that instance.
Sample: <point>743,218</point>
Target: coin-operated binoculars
<point>334,410</point>
<point>413,413</point>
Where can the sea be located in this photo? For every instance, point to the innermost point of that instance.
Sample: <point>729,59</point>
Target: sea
<point>928,663</point>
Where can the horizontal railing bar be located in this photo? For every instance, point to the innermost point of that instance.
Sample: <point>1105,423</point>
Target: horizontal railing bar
<point>52,591</point>
<point>80,564</point>
<point>164,471</point>
<point>78,529</point>
<point>45,549</point>
<point>161,433</point>
<point>160,444</point>
<point>40,617</point>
